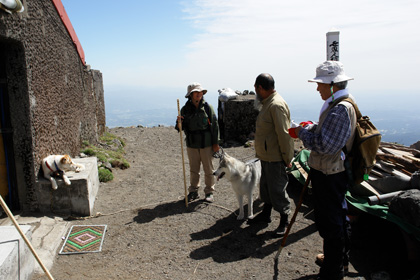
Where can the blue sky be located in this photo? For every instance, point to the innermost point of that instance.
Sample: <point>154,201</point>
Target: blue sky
<point>151,50</point>
<point>228,43</point>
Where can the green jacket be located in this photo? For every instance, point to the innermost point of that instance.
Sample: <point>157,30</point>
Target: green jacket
<point>201,128</point>
<point>272,140</point>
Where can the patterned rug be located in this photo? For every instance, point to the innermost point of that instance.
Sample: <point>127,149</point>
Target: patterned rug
<point>84,239</point>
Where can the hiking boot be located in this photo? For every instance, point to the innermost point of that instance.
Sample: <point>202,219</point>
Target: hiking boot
<point>284,223</point>
<point>192,196</point>
<point>263,217</point>
<point>319,277</point>
<point>320,259</point>
<point>209,197</point>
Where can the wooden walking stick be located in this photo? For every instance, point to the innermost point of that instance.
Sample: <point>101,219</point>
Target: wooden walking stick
<point>182,152</point>
<point>283,241</point>
<point>6,209</point>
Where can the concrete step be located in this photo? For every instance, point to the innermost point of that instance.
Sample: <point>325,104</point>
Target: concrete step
<point>16,262</point>
<point>46,237</point>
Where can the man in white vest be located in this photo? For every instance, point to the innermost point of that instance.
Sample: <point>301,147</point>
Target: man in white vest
<point>326,140</point>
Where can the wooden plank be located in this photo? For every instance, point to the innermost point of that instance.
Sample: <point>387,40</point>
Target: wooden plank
<point>412,158</point>
<point>397,152</point>
<point>301,170</point>
<point>402,173</point>
<point>394,171</point>
<point>407,164</point>
<point>365,189</point>
<point>386,164</point>
<point>400,147</point>
<point>385,167</point>
<point>379,173</point>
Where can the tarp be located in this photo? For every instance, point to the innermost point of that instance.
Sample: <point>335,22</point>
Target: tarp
<point>301,160</point>
<point>382,211</point>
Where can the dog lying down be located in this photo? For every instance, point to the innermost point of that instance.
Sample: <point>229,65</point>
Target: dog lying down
<point>244,177</point>
<point>56,165</point>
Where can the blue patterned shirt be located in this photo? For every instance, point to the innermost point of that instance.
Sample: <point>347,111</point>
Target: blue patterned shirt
<point>334,134</point>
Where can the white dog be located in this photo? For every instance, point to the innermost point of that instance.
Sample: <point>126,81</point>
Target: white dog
<point>244,177</point>
<point>56,165</point>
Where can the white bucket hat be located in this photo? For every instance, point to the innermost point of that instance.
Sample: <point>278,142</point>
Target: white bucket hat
<point>195,87</point>
<point>330,71</point>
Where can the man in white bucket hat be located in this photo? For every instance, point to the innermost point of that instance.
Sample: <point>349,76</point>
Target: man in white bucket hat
<point>201,128</point>
<point>330,71</point>
<point>326,140</point>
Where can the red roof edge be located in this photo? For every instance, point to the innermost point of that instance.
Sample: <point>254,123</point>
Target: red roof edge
<point>67,23</point>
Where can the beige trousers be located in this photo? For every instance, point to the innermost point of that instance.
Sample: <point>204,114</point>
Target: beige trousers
<point>196,157</point>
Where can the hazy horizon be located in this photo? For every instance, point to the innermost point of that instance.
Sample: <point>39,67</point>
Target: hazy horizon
<point>394,117</point>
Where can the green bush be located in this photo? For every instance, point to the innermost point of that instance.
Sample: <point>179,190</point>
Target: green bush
<point>120,163</point>
<point>101,157</point>
<point>89,152</point>
<point>109,138</point>
<point>85,143</point>
<point>107,151</point>
<point>105,175</point>
<point>125,164</point>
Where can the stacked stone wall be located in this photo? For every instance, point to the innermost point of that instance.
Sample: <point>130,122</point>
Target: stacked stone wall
<point>237,118</point>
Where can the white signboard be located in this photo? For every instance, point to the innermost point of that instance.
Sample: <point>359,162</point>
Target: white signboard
<point>333,44</point>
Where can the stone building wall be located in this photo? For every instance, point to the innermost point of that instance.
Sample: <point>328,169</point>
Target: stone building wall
<point>237,118</point>
<point>54,101</point>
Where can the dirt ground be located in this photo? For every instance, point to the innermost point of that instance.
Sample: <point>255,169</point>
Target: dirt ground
<point>151,234</point>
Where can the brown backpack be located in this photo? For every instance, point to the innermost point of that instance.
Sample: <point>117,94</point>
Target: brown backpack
<point>361,158</point>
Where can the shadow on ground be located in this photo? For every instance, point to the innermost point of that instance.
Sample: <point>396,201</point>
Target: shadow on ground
<point>231,235</point>
<point>161,211</point>
<point>379,245</point>
<point>228,248</point>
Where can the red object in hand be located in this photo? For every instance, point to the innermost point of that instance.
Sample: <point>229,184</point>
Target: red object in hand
<point>292,132</point>
<point>303,124</point>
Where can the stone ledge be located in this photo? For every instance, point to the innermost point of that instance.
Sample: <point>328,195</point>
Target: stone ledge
<point>76,199</point>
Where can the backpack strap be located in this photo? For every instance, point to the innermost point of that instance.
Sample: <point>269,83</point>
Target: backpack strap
<point>356,109</point>
<point>349,100</point>
<point>207,109</point>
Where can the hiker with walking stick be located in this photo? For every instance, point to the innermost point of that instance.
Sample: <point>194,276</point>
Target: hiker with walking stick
<point>326,140</point>
<point>201,128</point>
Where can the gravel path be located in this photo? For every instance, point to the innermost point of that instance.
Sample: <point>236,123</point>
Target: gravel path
<point>152,235</point>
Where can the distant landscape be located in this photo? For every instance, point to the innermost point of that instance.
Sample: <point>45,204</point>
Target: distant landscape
<point>397,120</point>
